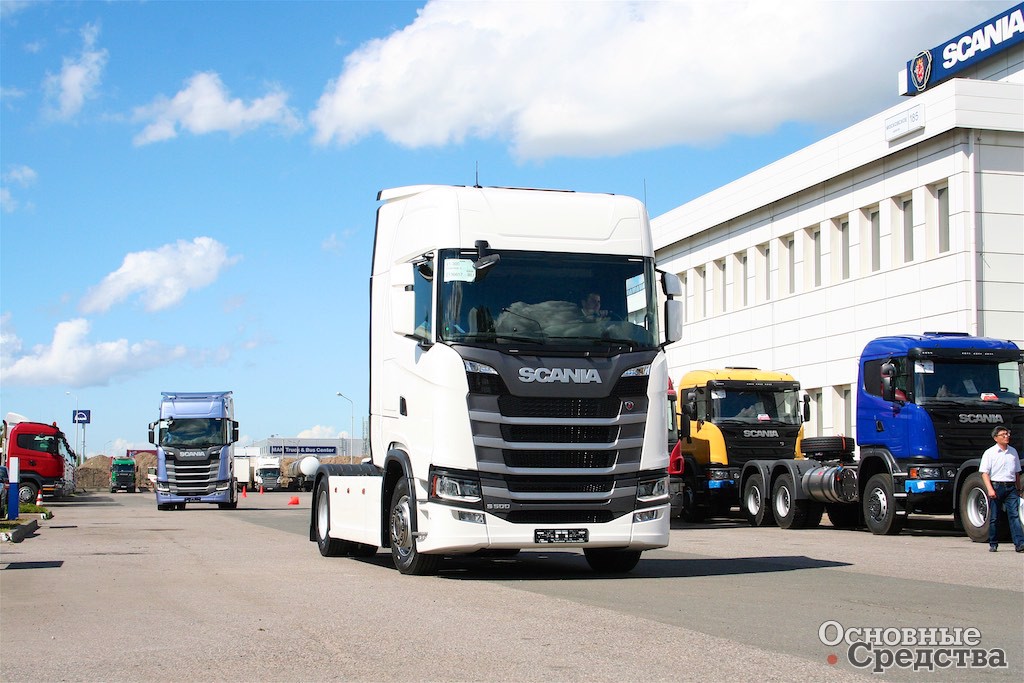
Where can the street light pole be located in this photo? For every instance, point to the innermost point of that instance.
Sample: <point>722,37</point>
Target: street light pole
<point>352,424</point>
<point>79,455</point>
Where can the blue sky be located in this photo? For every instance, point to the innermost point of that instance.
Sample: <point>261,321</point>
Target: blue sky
<point>187,190</point>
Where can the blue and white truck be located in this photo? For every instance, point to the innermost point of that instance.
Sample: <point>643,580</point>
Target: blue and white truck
<point>194,438</point>
<point>926,406</point>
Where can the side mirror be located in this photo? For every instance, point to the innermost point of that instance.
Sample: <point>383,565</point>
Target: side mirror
<point>674,308</point>
<point>234,431</point>
<point>684,421</point>
<point>807,408</point>
<point>403,300</point>
<point>888,387</point>
<point>152,436</point>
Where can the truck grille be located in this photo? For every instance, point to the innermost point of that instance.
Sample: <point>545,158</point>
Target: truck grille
<point>571,460</point>
<point>541,455</point>
<point>193,478</point>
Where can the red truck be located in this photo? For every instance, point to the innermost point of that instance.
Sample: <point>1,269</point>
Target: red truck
<point>45,461</point>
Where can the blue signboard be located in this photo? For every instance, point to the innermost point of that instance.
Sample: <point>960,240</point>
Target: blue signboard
<point>931,67</point>
<point>304,450</point>
<point>81,416</point>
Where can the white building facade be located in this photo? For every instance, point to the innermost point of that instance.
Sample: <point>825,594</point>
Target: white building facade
<point>909,221</point>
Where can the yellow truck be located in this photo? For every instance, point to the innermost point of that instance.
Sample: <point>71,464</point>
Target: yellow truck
<point>734,415</point>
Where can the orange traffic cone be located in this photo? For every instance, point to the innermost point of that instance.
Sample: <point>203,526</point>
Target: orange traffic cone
<point>244,494</point>
<point>39,498</point>
<point>261,489</point>
<point>294,500</point>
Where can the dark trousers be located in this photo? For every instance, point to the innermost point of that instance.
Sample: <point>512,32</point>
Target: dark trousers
<point>1008,499</point>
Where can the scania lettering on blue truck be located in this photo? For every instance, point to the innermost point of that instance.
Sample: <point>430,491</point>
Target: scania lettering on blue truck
<point>194,438</point>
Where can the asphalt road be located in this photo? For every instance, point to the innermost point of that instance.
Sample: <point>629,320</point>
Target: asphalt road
<point>112,589</point>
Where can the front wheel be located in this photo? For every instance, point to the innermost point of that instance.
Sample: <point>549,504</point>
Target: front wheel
<point>974,508</point>
<point>606,561</point>
<point>408,560</point>
<point>27,492</point>
<point>691,512</point>
<point>880,507</point>
<point>755,502</point>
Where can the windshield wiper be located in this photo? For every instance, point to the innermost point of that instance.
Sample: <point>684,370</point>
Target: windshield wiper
<point>494,336</point>
<point>632,344</point>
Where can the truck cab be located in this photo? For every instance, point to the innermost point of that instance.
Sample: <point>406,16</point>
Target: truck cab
<point>735,415</point>
<point>45,460</point>
<point>926,407</point>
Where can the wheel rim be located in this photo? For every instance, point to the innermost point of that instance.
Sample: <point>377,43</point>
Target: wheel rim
<point>754,500</point>
<point>401,529</point>
<point>322,512</point>
<point>782,501</point>
<point>977,507</point>
<point>878,506</point>
<point>25,495</point>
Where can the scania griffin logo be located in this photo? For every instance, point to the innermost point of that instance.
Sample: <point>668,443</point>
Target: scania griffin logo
<point>974,418</point>
<point>563,375</point>
<point>774,433</point>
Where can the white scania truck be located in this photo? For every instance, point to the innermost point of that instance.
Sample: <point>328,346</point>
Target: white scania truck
<point>517,382</point>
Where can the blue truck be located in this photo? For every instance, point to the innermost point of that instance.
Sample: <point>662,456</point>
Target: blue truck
<point>194,438</point>
<point>926,406</point>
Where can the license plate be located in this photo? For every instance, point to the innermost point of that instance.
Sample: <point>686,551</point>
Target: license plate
<point>193,499</point>
<point>560,535</point>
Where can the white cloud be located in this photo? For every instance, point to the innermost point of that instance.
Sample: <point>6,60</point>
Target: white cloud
<point>564,78</point>
<point>203,106</point>
<point>162,277</point>
<point>8,204</point>
<point>72,360</point>
<point>22,176</point>
<point>78,78</point>
<point>321,432</point>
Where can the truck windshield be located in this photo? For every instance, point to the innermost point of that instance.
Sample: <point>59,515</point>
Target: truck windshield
<point>270,473</point>
<point>550,299</point>
<point>938,380</point>
<point>195,432</point>
<point>756,405</point>
<point>124,468</point>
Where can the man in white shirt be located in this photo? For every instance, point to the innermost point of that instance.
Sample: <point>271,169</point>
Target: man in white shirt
<point>1000,470</point>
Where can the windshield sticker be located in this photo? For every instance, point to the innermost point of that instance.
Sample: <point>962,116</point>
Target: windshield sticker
<point>459,270</point>
<point>924,367</point>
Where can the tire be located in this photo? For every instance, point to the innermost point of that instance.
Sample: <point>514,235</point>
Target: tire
<point>880,507</point>
<point>691,512</point>
<point>329,547</point>
<point>973,507</point>
<point>827,444</point>
<point>789,512</point>
<point>843,515</point>
<point>27,492</point>
<point>407,559</point>
<point>755,504</point>
<point>606,561</point>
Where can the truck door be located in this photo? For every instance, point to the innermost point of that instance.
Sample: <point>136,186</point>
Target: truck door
<point>881,422</point>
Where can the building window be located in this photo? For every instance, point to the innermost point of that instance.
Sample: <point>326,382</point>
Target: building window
<point>942,195</point>
<point>816,256</point>
<point>844,249</point>
<point>908,230</point>
<point>718,290</point>
<point>743,272</point>
<point>876,240</point>
<point>765,252</point>
<point>699,292</point>
<point>819,411</point>
<point>848,411</point>
<point>787,274</point>
<point>686,299</point>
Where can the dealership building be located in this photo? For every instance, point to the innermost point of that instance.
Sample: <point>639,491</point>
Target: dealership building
<point>909,221</point>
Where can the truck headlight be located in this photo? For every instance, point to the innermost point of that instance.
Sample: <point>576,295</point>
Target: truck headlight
<point>639,371</point>
<point>648,490</point>
<point>455,488</point>
<point>163,487</point>
<point>926,473</point>
<point>717,474</point>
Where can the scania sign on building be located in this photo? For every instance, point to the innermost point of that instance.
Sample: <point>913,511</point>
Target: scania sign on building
<point>931,67</point>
